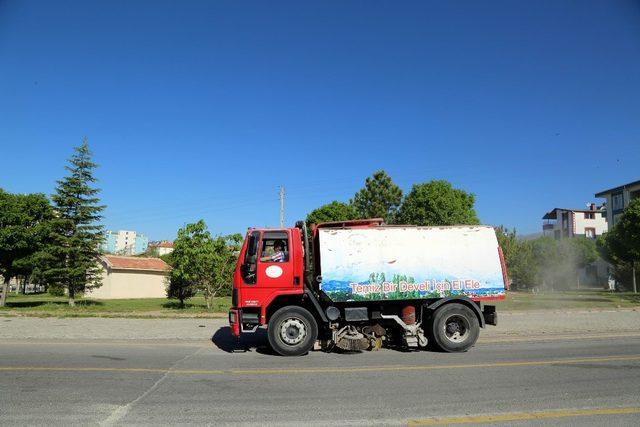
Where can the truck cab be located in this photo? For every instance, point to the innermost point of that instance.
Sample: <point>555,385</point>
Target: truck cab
<point>259,278</point>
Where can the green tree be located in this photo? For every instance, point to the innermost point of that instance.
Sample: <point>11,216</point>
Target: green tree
<point>508,241</point>
<point>24,222</point>
<point>437,203</point>
<point>523,270</point>
<point>177,287</point>
<point>582,252</point>
<point>334,211</point>
<point>168,258</point>
<point>380,198</point>
<point>226,249</point>
<point>150,252</point>
<point>70,259</point>
<point>202,263</point>
<point>621,245</point>
<point>180,289</point>
<point>518,258</point>
<point>191,258</point>
<point>622,271</point>
<point>547,260</point>
<point>604,245</point>
<point>557,263</point>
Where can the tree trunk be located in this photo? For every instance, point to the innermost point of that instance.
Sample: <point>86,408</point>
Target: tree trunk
<point>72,295</point>
<point>633,271</point>
<point>5,289</point>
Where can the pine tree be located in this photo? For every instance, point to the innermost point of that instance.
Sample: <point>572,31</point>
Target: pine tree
<point>380,198</point>
<point>76,236</point>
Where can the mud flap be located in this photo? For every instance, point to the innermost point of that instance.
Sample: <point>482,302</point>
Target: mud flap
<point>490,315</point>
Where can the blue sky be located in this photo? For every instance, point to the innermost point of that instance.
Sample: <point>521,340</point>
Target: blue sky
<point>202,109</point>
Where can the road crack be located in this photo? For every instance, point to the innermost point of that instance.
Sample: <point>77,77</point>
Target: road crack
<point>122,411</point>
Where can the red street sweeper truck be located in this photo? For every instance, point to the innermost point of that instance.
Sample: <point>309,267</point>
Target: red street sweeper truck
<point>358,285</point>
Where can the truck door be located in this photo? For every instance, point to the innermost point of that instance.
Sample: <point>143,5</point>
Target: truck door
<point>275,263</point>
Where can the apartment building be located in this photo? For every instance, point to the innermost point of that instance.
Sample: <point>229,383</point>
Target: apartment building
<point>618,198</point>
<point>125,242</point>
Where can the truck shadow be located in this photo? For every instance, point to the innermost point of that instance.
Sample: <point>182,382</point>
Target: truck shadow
<point>258,342</point>
<point>225,341</point>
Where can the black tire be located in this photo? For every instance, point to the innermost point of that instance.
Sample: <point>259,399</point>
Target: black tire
<point>285,327</point>
<point>454,328</point>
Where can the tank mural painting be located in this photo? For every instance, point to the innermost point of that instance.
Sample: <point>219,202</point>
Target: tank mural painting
<point>410,263</point>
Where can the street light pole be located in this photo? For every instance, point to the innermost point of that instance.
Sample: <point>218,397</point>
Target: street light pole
<point>281,206</point>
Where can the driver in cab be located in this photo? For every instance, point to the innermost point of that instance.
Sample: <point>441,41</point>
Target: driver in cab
<point>278,253</point>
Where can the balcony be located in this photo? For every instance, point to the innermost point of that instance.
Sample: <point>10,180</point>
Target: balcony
<point>549,224</point>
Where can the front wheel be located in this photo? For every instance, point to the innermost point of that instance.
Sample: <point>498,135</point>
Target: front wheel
<point>454,328</point>
<point>292,331</point>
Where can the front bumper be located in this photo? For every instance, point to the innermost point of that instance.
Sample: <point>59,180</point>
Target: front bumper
<point>234,322</point>
<point>243,321</point>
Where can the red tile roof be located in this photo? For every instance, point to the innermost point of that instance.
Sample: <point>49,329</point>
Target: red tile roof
<point>135,263</point>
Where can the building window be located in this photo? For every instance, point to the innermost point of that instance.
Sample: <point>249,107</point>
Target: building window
<point>590,232</point>
<point>616,218</point>
<point>589,215</point>
<point>617,201</point>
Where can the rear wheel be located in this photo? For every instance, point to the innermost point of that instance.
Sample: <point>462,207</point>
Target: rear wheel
<point>454,328</point>
<point>292,331</point>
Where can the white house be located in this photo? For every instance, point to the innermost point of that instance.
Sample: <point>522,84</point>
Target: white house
<point>131,277</point>
<point>562,223</point>
<point>162,248</point>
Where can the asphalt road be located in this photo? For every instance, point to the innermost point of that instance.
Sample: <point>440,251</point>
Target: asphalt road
<point>536,381</point>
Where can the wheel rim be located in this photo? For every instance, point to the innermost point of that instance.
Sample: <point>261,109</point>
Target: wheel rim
<point>456,328</point>
<point>292,331</point>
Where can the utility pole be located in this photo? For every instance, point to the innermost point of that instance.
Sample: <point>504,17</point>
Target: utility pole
<point>281,206</point>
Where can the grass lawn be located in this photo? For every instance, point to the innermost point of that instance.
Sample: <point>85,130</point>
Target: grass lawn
<point>46,305</point>
<point>587,299</point>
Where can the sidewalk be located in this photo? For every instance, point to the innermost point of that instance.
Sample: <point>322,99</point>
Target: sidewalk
<point>510,324</point>
<point>552,322</point>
